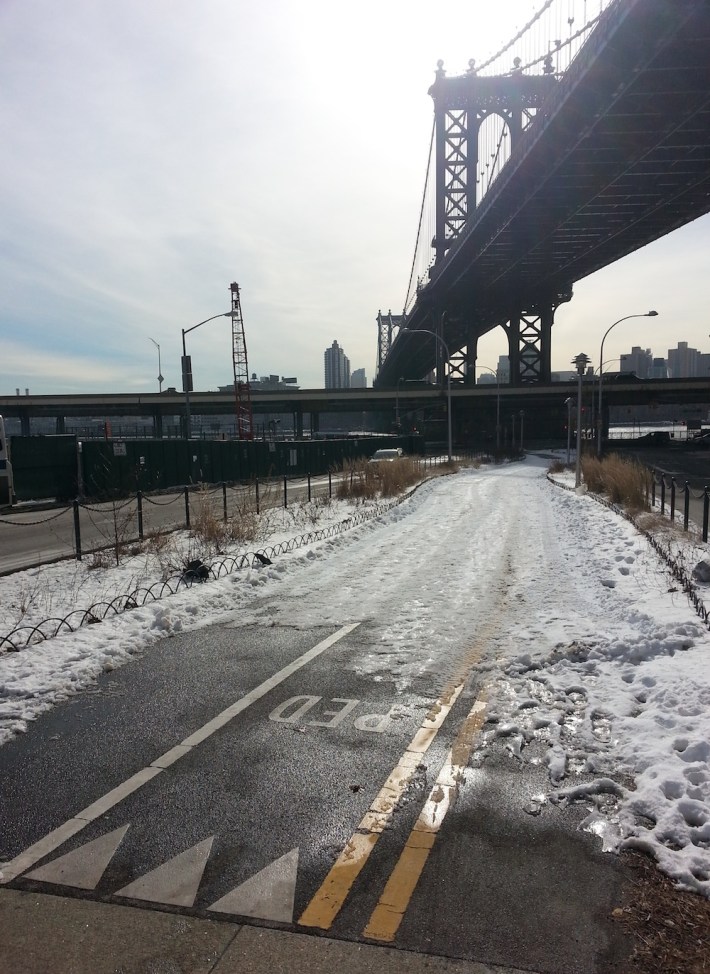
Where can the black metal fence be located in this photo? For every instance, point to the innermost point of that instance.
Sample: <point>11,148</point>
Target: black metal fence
<point>675,500</point>
<point>193,573</point>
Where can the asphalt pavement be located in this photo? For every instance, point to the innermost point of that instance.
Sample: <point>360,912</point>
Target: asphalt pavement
<point>249,799</point>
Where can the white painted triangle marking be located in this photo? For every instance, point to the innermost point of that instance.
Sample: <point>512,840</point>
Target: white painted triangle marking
<point>175,882</point>
<point>269,895</point>
<point>83,867</point>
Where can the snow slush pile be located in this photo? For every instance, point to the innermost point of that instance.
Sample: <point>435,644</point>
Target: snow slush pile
<point>625,708</point>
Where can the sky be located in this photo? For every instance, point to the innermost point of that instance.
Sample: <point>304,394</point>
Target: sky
<point>590,655</point>
<point>155,152</point>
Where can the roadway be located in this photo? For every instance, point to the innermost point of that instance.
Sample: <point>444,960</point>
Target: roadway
<point>682,463</point>
<point>316,765</point>
<point>34,535</point>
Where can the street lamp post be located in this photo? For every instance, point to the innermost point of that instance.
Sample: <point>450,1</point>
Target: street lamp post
<point>522,418</point>
<point>496,373</point>
<point>425,331</point>
<point>580,362</point>
<point>160,371</point>
<point>187,369</point>
<point>646,314</point>
<point>396,403</point>
<point>569,403</point>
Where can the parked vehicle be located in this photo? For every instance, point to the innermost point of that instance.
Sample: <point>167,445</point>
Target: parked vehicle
<point>386,456</point>
<point>654,438</point>
<point>701,442</point>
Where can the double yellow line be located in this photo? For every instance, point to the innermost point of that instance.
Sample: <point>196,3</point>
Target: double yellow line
<point>387,916</point>
<point>328,901</point>
<point>390,910</point>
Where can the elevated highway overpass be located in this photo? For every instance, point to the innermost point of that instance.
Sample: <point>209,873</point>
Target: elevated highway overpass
<point>472,406</point>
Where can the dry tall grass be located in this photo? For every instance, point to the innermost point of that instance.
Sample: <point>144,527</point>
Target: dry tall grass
<point>361,480</point>
<point>356,480</point>
<point>623,481</point>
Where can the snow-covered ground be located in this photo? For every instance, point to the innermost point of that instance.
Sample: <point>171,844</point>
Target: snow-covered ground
<point>590,650</point>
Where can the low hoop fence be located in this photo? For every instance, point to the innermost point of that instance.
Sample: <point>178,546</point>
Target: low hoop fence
<point>195,573</point>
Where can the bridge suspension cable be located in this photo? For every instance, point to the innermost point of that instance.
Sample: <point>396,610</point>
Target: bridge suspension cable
<point>551,38</point>
<point>423,254</point>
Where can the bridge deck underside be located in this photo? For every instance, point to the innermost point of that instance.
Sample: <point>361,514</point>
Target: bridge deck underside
<point>619,156</point>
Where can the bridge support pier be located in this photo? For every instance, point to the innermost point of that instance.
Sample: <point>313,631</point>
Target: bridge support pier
<point>462,364</point>
<point>529,332</point>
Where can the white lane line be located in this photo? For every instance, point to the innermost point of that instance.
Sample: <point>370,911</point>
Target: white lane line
<point>22,862</point>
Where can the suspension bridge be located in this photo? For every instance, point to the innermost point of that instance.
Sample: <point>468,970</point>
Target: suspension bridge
<point>584,138</point>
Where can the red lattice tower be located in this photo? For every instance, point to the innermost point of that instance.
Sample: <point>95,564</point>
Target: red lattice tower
<point>242,391</point>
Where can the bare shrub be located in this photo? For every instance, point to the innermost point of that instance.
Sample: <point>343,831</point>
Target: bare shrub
<point>557,466</point>
<point>314,509</point>
<point>100,559</point>
<point>358,480</point>
<point>205,524</point>
<point>243,526</point>
<point>155,542</point>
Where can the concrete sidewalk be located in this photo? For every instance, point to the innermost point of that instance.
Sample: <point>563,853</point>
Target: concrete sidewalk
<point>41,934</point>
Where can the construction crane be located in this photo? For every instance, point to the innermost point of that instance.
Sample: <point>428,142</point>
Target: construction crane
<point>242,391</point>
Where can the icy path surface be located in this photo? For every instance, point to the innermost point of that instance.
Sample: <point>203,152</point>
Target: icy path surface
<point>593,662</point>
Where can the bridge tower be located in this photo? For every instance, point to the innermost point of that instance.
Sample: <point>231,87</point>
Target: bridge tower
<point>386,327</point>
<point>462,105</point>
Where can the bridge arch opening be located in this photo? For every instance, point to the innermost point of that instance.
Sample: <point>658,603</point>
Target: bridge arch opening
<point>492,152</point>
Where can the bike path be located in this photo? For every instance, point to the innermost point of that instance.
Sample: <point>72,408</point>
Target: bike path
<point>264,773</point>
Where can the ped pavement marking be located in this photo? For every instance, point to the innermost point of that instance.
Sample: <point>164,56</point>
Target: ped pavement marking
<point>58,836</point>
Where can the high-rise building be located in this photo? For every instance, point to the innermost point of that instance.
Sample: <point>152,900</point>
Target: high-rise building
<point>683,362</point>
<point>337,368</point>
<point>638,360</point>
<point>358,379</point>
<point>659,369</point>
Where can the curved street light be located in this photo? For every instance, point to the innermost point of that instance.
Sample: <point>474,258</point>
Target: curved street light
<point>425,331</point>
<point>647,314</point>
<point>160,371</point>
<point>187,370</point>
